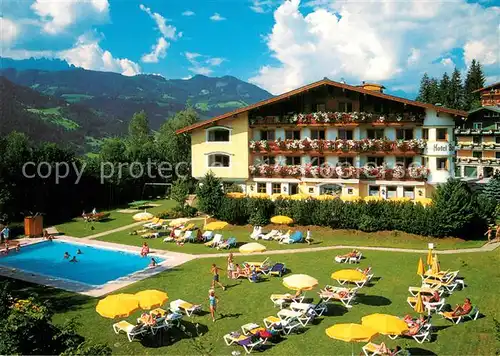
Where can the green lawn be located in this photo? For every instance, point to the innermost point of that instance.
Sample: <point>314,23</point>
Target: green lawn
<point>322,237</point>
<point>79,228</point>
<point>245,302</point>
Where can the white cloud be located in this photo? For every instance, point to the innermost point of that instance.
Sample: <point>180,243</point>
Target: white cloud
<point>262,6</point>
<point>447,62</point>
<point>88,54</point>
<point>379,40</point>
<point>159,51</point>
<point>217,17</point>
<point>188,13</point>
<point>168,31</point>
<point>202,64</point>
<point>9,31</point>
<point>58,15</point>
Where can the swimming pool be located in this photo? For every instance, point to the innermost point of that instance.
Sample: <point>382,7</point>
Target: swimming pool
<point>95,266</point>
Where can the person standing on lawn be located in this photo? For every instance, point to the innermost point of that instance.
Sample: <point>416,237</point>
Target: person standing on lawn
<point>212,300</point>
<point>215,279</point>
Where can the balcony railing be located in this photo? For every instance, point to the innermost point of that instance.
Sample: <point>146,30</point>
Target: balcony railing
<point>459,131</point>
<point>340,172</point>
<point>482,146</point>
<point>416,146</point>
<point>336,117</point>
<point>470,160</point>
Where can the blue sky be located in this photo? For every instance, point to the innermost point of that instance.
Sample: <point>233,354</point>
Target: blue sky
<point>276,44</point>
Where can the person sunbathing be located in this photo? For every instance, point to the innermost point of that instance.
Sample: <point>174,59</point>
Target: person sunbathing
<point>434,298</point>
<point>462,309</point>
<point>240,272</point>
<point>384,350</point>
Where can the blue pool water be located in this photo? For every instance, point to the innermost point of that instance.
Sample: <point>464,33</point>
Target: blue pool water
<point>95,266</point>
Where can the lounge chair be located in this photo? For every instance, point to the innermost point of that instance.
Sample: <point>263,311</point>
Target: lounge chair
<point>151,235</point>
<point>281,237</point>
<point>425,290</point>
<point>131,330</point>
<point>359,284</point>
<point>449,286</point>
<point>345,296</point>
<point>429,306</point>
<point>368,273</point>
<point>278,269</point>
<point>371,349</point>
<point>188,236</point>
<point>230,242</point>
<point>257,264</point>
<point>180,305</point>
<point>472,315</point>
<point>152,222</point>
<point>296,237</point>
<point>279,300</point>
<point>351,257</point>
<point>157,225</point>
<point>256,233</point>
<point>215,241</point>
<point>188,227</point>
<point>355,259</point>
<point>269,235</point>
<point>207,235</point>
<point>285,327</point>
<point>316,309</point>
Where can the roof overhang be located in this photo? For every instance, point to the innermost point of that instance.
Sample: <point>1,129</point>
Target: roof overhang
<point>324,82</point>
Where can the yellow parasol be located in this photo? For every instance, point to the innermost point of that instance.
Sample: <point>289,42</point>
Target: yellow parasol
<point>429,257</point>
<point>300,282</point>
<point>348,275</point>
<point>435,265</point>
<point>419,305</point>
<point>385,324</point>
<point>118,305</point>
<point>350,333</point>
<point>144,216</point>
<point>149,299</point>
<point>280,219</point>
<point>424,201</point>
<point>252,247</point>
<point>178,222</point>
<point>420,268</point>
<point>215,225</point>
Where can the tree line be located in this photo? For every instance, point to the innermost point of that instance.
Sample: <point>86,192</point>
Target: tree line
<point>24,191</point>
<point>452,92</point>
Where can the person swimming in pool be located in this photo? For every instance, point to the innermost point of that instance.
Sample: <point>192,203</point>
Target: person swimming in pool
<point>78,252</point>
<point>66,255</point>
<point>153,262</point>
<point>73,259</point>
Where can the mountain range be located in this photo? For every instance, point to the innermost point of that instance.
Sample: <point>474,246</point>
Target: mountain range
<point>86,105</point>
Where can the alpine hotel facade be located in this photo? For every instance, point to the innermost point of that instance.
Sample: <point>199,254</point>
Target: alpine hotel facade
<point>330,138</point>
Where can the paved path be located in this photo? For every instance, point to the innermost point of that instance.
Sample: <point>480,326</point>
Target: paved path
<point>126,227</point>
<point>485,248</point>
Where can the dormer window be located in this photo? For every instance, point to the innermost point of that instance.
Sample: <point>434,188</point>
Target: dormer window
<point>218,134</point>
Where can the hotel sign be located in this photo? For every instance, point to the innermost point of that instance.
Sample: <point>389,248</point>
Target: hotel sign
<point>439,149</point>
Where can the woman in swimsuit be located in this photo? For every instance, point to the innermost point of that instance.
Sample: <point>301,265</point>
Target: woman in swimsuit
<point>230,266</point>
<point>144,250</point>
<point>213,300</point>
<point>215,272</point>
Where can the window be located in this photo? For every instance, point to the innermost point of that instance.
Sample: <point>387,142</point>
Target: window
<point>345,107</point>
<point>392,192</point>
<point>404,134</point>
<point>218,135</point>
<point>320,107</point>
<point>276,188</point>
<point>497,125</point>
<point>497,155</point>
<point>261,187</point>
<point>477,125</point>
<point>375,133</point>
<point>477,140</point>
<point>292,134</point>
<point>294,188</point>
<point>425,134</point>
<point>404,161</point>
<point>470,172</point>
<point>267,135</point>
<point>331,189</point>
<point>409,192</point>
<point>350,191</point>
<point>268,159</point>
<point>442,163</point>
<point>317,161</point>
<point>345,134</point>
<point>442,134</point>
<point>318,134</point>
<point>373,190</point>
<point>311,190</point>
<point>218,160</point>
<point>497,139</point>
<point>292,160</point>
<point>346,160</point>
<point>377,161</point>
<point>477,154</point>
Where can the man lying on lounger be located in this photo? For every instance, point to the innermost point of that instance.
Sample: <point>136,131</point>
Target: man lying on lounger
<point>462,309</point>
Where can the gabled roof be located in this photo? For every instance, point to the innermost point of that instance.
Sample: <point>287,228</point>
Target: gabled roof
<point>492,86</point>
<point>315,85</point>
<point>489,108</point>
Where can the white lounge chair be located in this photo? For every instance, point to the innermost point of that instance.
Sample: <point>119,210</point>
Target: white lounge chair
<point>256,233</point>
<point>425,290</point>
<point>372,349</point>
<point>180,305</point>
<point>242,340</point>
<point>216,241</point>
<point>345,296</point>
<point>472,315</point>
<point>151,223</point>
<point>368,273</point>
<point>283,326</point>
<point>429,306</point>
<point>131,330</point>
<point>355,259</point>
<point>279,300</point>
<point>449,286</point>
<point>318,309</point>
<point>207,235</point>
<point>269,235</point>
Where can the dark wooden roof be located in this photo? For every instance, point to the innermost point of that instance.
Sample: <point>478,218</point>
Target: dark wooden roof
<point>492,86</point>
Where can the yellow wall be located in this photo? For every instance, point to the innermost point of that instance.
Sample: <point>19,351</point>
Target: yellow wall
<point>464,139</point>
<point>237,148</point>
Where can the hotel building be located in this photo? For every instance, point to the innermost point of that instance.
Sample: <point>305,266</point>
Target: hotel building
<point>330,138</point>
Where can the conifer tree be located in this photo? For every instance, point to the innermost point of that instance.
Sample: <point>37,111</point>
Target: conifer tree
<point>456,91</point>
<point>444,90</point>
<point>474,80</point>
<point>424,90</point>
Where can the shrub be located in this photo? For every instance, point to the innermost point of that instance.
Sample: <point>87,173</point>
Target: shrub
<point>209,193</point>
<point>259,211</point>
<point>234,211</point>
<point>179,192</point>
<point>369,223</point>
<point>233,188</point>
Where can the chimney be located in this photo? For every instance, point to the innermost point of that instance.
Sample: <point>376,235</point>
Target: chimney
<point>372,86</point>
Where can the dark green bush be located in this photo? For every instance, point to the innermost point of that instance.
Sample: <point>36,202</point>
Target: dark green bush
<point>234,211</point>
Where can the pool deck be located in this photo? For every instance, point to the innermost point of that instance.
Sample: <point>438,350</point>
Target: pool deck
<point>172,260</point>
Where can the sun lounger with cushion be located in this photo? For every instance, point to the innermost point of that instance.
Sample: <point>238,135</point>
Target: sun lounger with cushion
<point>429,306</point>
<point>215,241</point>
<point>285,327</point>
<point>248,342</point>
<point>372,349</point>
<point>279,300</point>
<point>152,222</point>
<point>425,290</point>
<point>449,286</point>
<point>296,237</point>
<point>207,235</point>
<point>180,305</point>
<point>269,235</point>
<point>257,264</point>
<point>345,296</point>
<point>472,315</point>
<point>278,269</point>
<point>132,331</point>
<point>230,242</point>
